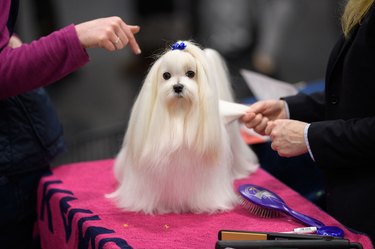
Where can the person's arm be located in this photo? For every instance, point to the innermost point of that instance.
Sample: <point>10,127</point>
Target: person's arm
<point>344,143</point>
<point>41,62</point>
<point>289,136</point>
<point>52,57</point>
<point>307,108</point>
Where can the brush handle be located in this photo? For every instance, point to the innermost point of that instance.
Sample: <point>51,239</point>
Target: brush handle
<point>304,218</point>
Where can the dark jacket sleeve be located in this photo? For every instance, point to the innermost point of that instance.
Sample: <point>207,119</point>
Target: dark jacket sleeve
<point>343,142</point>
<point>334,142</point>
<point>307,108</point>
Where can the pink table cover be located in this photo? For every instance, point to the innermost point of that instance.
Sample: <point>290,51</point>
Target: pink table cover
<point>74,213</point>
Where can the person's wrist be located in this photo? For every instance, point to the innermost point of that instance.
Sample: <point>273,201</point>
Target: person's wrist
<point>284,114</point>
<point>80,34</point>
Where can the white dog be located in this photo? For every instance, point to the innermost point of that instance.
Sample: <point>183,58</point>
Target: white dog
<point>178,155</point>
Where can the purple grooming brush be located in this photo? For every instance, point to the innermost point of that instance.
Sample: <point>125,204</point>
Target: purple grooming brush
<point>265,203</point>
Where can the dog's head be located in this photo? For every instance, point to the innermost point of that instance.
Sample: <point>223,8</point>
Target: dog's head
<point>177,79</point>
<point>181,79</point>
<point>177,105</point>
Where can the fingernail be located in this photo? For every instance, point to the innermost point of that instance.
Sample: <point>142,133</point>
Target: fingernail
<point>138,51</point>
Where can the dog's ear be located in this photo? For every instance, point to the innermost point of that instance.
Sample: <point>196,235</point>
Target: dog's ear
<point>140,119</point>
<point>220,73</point>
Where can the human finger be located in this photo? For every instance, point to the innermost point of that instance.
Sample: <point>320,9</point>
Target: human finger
<point>257,107</point>
<point>134,28</point>
<point>247,117</point>
<point>108,44</point>
<point>269,128</point>
<point>255,121</point>
<point>274,146</point>
<point>121,40</point>
<point>260,128</point>
<point>131,39</point>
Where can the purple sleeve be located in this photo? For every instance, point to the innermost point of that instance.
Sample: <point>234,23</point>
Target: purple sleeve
<point>39,63</point>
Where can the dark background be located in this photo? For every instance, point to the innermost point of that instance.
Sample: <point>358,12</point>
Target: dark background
<point>94,102</point>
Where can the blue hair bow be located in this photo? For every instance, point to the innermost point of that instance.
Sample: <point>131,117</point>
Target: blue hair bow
<point>179,45</point>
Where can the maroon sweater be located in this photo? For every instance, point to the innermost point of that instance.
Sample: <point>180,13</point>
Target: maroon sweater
<point>39,63</point>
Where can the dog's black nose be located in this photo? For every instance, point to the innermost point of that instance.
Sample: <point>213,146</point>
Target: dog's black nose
<point>178,88</point>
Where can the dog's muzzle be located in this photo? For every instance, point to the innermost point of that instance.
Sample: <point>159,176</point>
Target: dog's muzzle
<point>178,88</point>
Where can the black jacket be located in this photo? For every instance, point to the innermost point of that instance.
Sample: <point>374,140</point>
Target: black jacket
<point>342,131</point>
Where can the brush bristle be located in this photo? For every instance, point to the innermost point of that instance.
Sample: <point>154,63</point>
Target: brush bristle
<point>258,210</point>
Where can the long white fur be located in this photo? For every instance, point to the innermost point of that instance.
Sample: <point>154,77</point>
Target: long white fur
<point>244,159</point>
<point>178,155</point>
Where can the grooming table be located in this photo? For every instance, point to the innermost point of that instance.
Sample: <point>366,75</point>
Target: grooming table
<point>74,213</point>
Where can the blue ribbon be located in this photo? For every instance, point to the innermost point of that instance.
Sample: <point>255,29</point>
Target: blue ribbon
<point>179,46</point>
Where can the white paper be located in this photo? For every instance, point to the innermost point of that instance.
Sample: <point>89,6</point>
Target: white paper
<point>264,87</point>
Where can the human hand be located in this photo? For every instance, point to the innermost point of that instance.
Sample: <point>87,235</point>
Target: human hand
<point>259,113</point>
<point>110,33</point>
<point>287,137</point>
<point>14,42</point>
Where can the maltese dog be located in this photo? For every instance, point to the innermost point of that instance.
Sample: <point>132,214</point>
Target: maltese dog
<point>178,154</point>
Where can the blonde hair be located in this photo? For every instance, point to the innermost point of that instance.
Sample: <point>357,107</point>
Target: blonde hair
<point>353,14</point>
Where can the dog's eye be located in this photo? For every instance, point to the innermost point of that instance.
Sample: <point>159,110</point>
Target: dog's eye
<point>166,76</point>
<point>190,74</point>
